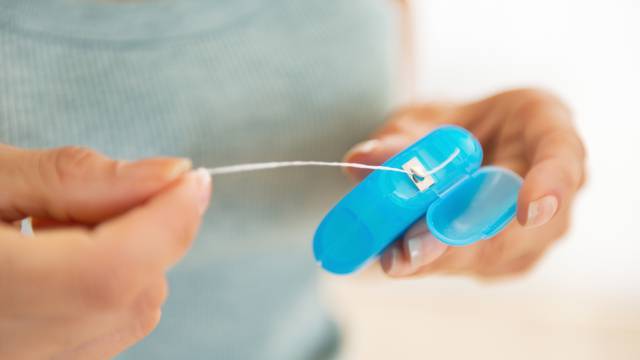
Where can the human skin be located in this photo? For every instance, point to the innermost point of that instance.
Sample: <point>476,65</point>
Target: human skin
<point>91,281</point>
<point>526,130</point>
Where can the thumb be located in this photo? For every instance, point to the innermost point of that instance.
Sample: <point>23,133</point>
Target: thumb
<point>73,184</point>
<point>161,230</point>
<point>374,152</point>
<point>402,130</point>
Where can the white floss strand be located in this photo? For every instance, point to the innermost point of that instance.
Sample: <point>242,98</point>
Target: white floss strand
<point>453,155</point>
<point>280,164</point>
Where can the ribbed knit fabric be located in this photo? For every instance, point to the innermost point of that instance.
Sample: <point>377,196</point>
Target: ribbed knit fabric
<point>221,82</point>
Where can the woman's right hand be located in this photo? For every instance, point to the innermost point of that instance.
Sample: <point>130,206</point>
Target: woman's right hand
<point>91,283</point>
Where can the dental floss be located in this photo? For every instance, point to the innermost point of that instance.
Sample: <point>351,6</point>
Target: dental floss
<point>231,169</point>
<point>275,165</point>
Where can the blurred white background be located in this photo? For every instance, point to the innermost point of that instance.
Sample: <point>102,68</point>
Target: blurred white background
<point>583,300</point>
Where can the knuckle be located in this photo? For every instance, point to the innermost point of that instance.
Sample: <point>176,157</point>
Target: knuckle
<point>405,112</point>
<point>566,138</point>
<point>531,102</point>
<point>491,253</point>
<point>560,227</point>
<point>109,284</point>
<point>501,271</point>
<point>524,264</point>
<point>185,233</point>
<point>559,233</point>
<point>66,163</point>
<point>421,118</point>
<point>490,276</point>
<point>399,122</point>
<point>455,261</point>
<point>569,156</point>
<point>532,94</point>
<point>147,308</point>
<point>570,174</point>
<point>145,322</point>
<point>531,105</point>
<point>152,298</point>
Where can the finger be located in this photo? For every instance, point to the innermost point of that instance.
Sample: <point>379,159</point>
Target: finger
<point>73,184</point>
<point>402,130</point>
<point>104,335</point>
<point>393,261</point>
<point>374,152</point>
<point>514,267</point>
<point>557,158</point>
<point>548,140</point>
<point>158,233</point>
<point>78,269</point>
<point>39,224</point>
<point>415,250</point>
<point>40,267</point>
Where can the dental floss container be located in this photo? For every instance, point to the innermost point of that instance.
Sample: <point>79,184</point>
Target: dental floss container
<point>445,186</point>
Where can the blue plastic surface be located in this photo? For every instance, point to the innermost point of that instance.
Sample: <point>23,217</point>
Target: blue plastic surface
<point>465,204</point>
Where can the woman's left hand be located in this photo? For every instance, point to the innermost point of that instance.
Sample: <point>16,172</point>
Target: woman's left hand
<point>527,131</point>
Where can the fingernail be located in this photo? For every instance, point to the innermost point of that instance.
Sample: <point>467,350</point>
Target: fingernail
<point>165,168</point>
<point>390,260</point>
<point>423,247</point>
<point>203,188</point>
<point>541,211</point>
<point>180,166</point>
<point>363,148</point>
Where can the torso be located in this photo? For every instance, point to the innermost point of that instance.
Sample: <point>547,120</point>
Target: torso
<point>220,82</point>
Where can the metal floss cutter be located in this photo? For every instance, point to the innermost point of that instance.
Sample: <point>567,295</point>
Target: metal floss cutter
<point>463,202</point>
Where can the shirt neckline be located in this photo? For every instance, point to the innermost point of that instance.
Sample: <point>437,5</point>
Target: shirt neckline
<point>133,20</point>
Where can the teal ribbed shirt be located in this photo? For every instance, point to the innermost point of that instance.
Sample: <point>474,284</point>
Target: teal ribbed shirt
<point>221,82</point>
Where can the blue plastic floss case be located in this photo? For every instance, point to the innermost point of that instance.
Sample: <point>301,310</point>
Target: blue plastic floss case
<point>461,201</point>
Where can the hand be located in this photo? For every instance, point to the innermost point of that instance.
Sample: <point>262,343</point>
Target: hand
<point>93,284</point>
<point>527,131</point>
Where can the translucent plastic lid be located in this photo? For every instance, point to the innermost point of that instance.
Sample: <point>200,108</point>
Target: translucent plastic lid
<point>477,208</point>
